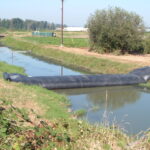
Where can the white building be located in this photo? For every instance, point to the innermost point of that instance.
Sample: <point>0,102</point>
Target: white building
<point>148,29</point>
<point>75,29</point>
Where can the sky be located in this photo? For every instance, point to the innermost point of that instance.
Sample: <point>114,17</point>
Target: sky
<point>76,12</point>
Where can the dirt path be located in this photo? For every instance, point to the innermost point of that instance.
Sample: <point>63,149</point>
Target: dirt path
<point>142,60</point>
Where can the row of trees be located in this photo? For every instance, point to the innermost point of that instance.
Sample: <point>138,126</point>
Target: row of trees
<point>116,29</point>
<point>19,24</point>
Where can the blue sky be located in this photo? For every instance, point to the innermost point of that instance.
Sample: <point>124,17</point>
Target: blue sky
<point>76,11</point>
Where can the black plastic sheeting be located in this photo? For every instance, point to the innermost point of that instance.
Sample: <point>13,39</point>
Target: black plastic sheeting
<point>141,75</point>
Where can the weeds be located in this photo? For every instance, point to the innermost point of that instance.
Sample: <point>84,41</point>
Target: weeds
<point>80,113</point>
<point>14,134</point>
<point>145,85</point>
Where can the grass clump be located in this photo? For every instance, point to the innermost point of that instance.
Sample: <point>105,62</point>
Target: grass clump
<point>19,132</point>
<point>145,85</point>
<point>80,113</point>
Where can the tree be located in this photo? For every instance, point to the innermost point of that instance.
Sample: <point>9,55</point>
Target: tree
<point>116,29</point>
<point>52,26</point>
<point>5,23</point>
<point>19,24</point>
<point>16,23</point>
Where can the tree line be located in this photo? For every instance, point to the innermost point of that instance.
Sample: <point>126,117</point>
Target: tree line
<point>19,24</point>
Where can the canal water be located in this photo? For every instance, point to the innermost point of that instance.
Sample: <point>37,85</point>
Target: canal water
<point>126,106</point>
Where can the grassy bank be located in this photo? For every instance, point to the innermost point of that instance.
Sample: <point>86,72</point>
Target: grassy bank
<point>9,68</point>
<point>87,63</point>
<point>21,110</point>
<point>35,118</point>
<point>20,92</point>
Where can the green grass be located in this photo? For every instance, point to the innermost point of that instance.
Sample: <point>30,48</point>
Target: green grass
<point>80,113</point>
<point>147,34</point>
<point>4,67</point>
<point>69,42</point>
<point>54,105</point>
<point>86,63</point>
<point>147,85</point>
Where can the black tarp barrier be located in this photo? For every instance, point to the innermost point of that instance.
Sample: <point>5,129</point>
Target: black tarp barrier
<point>141,75</point>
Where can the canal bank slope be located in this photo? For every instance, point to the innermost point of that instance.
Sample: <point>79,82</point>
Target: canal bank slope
<point>35,118</point>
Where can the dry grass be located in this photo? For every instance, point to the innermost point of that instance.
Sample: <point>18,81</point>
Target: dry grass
<point>21,98</point>
<point>102,138</point>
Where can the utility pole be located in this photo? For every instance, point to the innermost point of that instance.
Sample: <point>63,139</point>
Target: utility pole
<point>62,22</point>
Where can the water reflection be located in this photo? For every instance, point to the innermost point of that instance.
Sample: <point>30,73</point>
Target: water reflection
<point>1,45</point>
<point>128,105</point>
<point>33,66</point>
<point>117,96</point>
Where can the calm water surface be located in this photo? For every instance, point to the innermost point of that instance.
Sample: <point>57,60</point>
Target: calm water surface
<point>33,66</point>
<point>127,106</point>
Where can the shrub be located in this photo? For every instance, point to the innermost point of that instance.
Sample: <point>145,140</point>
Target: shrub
<point>116,29</point>
<point>147,46</point>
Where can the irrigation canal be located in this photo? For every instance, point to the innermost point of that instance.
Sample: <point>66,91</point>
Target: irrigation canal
<point>127,106</point>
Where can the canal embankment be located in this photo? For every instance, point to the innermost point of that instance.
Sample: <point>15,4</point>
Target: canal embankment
<point>77,60</point>
<point>86,63</point>
<point>33,117</point>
